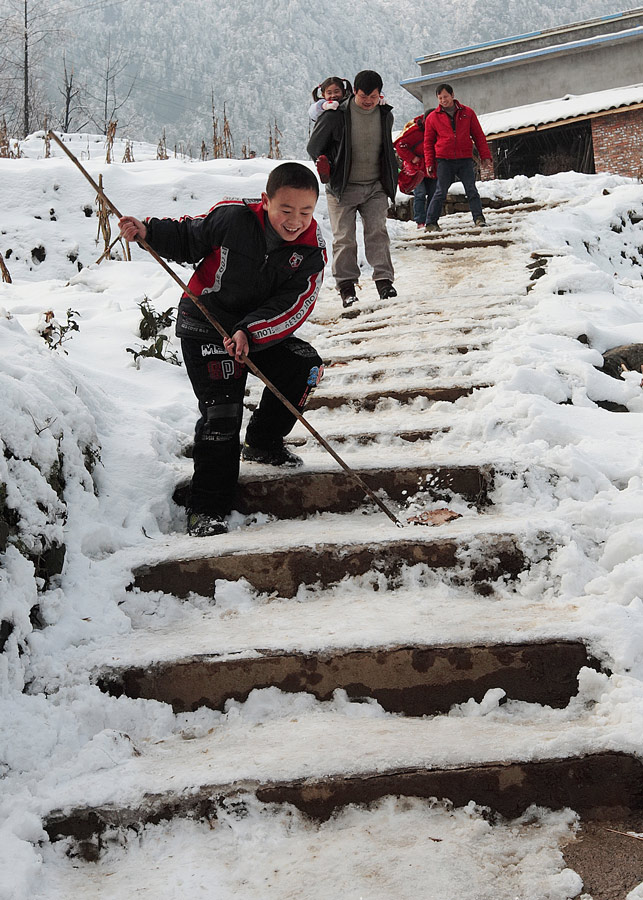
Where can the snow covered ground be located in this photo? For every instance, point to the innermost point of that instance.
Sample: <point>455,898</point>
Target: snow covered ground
<point>93,449</point>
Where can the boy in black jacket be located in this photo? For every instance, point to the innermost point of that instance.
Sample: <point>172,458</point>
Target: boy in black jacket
<point>261,265</point>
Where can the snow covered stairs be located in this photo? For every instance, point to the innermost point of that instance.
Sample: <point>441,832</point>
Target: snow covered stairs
<point>360,712</point>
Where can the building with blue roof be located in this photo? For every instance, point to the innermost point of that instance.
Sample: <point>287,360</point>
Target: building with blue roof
<point>520,87</point>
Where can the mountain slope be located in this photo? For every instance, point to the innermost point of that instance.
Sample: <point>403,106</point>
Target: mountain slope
<point>261,59</point>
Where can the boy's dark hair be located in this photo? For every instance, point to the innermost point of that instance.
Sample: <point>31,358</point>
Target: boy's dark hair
<point>444,87</point>
<point>291,175</point>
<point>367,81</point>
<point>343,83</point>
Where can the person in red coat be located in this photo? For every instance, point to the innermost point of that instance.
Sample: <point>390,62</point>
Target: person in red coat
<point>409,147</point>
<point>450,132</point>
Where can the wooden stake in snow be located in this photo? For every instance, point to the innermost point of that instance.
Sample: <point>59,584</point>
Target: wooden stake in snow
<point>6,277</point>
<point>224,334</point>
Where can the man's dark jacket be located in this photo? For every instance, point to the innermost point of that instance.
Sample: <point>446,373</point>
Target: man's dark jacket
<point>267,294</point>
<point>331,137</point>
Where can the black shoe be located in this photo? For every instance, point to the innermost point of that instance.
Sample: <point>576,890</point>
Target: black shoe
<point>205,525</point>
<point>272,456</point>
<point>432,226</point>
<point>480,221</point>
<point>347,293</point>
<point>385,289</point>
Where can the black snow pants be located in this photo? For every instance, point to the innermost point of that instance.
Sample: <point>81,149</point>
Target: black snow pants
<point>219,383</point>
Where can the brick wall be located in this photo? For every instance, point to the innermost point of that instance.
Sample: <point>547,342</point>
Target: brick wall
<point>618,143</point>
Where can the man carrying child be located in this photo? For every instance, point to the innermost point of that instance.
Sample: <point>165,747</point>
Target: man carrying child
<point>356,142</point>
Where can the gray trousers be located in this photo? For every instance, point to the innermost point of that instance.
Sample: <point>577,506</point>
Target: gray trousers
<point>370,201</point>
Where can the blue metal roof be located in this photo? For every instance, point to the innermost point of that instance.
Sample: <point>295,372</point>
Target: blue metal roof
<point>517,37</point>
<point>520,37</point>
<point>530,54</point>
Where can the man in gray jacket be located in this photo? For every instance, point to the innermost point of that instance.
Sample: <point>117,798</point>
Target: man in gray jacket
<point>353,149</point>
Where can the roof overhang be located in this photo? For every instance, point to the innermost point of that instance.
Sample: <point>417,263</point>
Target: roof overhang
<point>547,125</point>
<point>562,111</point>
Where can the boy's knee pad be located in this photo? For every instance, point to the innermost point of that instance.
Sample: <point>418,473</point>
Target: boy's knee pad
<point>222,422</point>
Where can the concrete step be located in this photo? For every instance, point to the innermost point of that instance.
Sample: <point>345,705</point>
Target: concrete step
<point>597,785</point>
<point>433,309</point>
<point>282,569</point>
<point>347,373</point>
<point>371,319</point>
<point>346,355</point>
<point>369,400</point>
<point>457,204</point>
<point>427,338</point>
<point>504,762</point>
<point>414,681</point>
<point>463,243</point>
<point>370,437</point>
<point>295,493</point>
<point>405,340</point>
<point>411,373</point>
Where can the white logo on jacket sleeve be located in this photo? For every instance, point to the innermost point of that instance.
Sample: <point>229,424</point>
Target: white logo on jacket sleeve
<point>296,260</point>
<point>219,260</point>
<point>220,271</point>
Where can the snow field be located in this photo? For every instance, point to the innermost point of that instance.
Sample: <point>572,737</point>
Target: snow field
<point>578,476</point>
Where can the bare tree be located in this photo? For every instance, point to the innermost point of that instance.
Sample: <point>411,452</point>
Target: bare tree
<point>26,28</point>
<point>107,99</point>
<point>70,93</point>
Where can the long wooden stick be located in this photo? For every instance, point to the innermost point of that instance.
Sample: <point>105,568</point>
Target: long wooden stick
<point>635,837</point>
<point>248,362</point>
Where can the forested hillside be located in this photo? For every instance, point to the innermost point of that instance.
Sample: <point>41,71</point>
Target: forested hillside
<point>155,64</point>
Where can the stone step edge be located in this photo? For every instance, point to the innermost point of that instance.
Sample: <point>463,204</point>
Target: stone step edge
<point>284,570</point>
<point>596,784</point>
<point>363,438</point>
<point>370,399</point>
<point>417,680</point>
<point>460,349</point>
<point>298,493</point>
<point>453,243</point>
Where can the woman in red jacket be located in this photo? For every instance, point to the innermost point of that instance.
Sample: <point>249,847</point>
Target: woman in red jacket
<point>413,179</point>
<point>450,131</point>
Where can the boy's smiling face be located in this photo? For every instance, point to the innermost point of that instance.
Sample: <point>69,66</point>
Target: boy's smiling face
<point>290,211</point>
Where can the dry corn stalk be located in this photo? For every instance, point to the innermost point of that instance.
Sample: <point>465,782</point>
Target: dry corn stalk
<point>6,277</point>
<point>109,141</point>
<point>104,227</point>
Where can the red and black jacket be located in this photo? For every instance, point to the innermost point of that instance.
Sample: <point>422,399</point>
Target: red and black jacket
<point>267,294</point>
<point>409,145</point>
